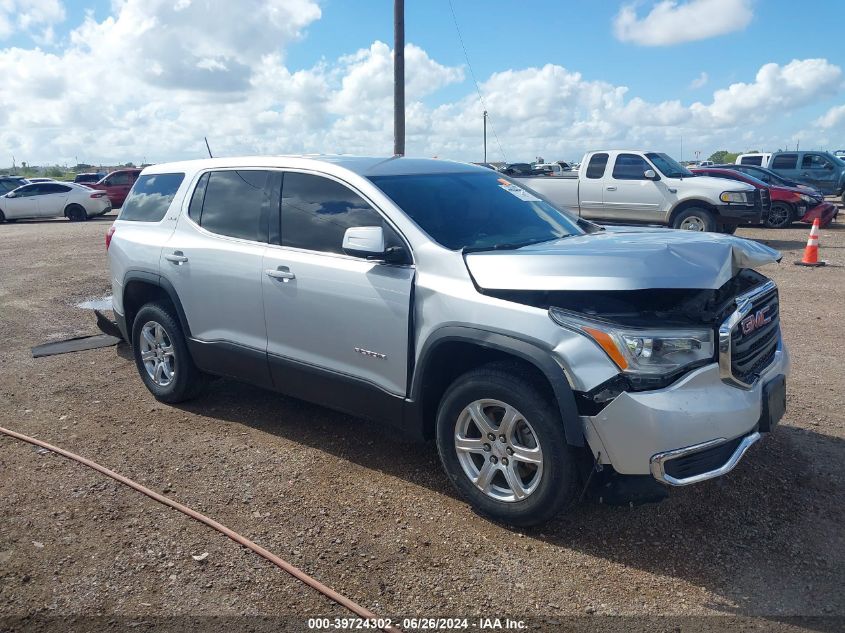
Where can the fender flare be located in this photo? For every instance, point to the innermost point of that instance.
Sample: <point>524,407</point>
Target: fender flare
<point>523,349</point>
<point>155,279</point>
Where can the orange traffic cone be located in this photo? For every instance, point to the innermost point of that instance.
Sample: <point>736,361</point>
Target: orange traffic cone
<point>811,252</point>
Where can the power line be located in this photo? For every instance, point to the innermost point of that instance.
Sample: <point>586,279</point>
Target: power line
<point>475,81</point>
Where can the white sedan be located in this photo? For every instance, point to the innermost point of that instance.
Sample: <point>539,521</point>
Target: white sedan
<point>53,199</point>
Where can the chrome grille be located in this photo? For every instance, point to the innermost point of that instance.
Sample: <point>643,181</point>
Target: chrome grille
<point>748,339</point>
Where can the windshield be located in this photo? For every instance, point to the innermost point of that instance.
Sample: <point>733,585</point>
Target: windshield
<point>668,166</point>
<point>478,211</point>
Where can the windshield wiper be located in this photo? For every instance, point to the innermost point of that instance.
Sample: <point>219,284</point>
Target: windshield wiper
<point>508,246</point>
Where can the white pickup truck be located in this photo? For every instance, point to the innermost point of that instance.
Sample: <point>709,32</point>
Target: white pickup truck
<point>634,187</point>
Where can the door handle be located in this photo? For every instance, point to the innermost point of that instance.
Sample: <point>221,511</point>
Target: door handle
<point>611,188</point>
<point>177,257</point>
<point>282,272</point>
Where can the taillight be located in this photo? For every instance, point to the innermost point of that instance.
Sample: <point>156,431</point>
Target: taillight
<point>98,194</point>
<point>109,235</point>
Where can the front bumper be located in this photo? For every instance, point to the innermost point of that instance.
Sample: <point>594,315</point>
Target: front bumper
<point>640,429</point>
<point>824,213</point>
<point>739,214</point>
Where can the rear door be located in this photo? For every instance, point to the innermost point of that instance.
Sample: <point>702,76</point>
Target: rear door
<point>213,259</point>
<point>786,165</point>
<point>818,171</point>
<point>342,319</point>
<point>591,186</point>
<point>52,199</point>
<point>628,195</point>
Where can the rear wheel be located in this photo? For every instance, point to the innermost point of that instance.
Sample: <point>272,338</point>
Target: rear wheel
<point>502,444</point>
<point>695,219</point>
<point>75,213</point>
<point>779,216</point>
<point>162,357</point>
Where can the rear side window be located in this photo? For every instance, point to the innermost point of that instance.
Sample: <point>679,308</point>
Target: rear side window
<point>752,160</point>
<point>785,161</point>
<point>235,203</point>
<point>150,198</point>
<point>51,188</point>
<point>317,211</point>
<point>630,167</point>
<point>598,163</point>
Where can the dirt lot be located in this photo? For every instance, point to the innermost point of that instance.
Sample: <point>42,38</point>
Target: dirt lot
<point>370,515</point>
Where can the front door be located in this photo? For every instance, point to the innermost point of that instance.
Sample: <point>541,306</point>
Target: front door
<point>818,171</point>
<point>337,325</point>
<point>628,195</point>
<point>591,187</point>
<point>24,204</point>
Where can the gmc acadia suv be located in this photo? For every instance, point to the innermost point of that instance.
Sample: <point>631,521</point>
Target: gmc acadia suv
<point>444,299</point>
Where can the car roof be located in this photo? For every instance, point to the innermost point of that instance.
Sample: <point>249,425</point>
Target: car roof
<point>361,165</point>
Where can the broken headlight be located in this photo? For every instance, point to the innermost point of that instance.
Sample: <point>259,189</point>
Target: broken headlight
<point>643,351</point>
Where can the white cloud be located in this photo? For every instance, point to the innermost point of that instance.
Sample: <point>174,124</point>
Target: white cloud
<point>672,22</point>
<point>833,118</point>
<point>776,90</point>
<point>222,74</point>
<point>30,16</point>
<point>700,81</point>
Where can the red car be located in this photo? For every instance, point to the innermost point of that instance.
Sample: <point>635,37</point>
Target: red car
<point>117,185</point>
<point>789,204</point>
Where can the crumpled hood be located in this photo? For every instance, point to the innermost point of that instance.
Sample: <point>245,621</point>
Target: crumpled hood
<point>621,258</point>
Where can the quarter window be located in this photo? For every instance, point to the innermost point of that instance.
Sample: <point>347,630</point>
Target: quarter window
<point>195,208</point>
<point>752,160</point>
<point>630,167</point>
<point>237,203</point>
<point>317,211</point>
<point>785,161</point>
<point>150,198</point>
<point>598,163</point>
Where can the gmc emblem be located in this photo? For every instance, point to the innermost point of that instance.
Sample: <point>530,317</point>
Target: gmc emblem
<point>755,321</point>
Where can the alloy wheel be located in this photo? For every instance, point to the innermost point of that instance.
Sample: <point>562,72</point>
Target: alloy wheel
<point>157,353</point>
<point>498,450</point>
<point>692,223</point>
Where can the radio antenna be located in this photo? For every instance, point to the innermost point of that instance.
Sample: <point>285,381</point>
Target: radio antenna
<point>208,147</point>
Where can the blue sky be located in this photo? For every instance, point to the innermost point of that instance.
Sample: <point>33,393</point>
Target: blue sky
<point>802,101</point>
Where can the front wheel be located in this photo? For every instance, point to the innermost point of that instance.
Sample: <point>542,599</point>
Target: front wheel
<point>2,216</point>
<point>162,357</point>
<point>502,445</point>
<point>779,216</point>
<point>695,219</point>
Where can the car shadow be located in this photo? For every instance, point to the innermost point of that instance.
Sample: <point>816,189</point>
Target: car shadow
<point>763,539</point>
<point>108,217</point>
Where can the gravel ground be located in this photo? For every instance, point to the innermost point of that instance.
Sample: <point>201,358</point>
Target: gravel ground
<point>370,515</point>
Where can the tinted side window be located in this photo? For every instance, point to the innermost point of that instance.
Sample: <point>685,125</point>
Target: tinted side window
<point>150,197</point>
<point>752,160</point>
<point>237,203</point>
<point>630,167</point>
<point>29,190</point>
<point>317,211</point>
<point>815,161</point>
<point>120,179</point>
<point>195,208</point>
<point>51,188</point>
<point>598,163</point>
<point>785,161</point>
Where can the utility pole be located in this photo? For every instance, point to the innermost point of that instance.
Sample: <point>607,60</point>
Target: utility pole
<point>399,77</point>
<point>485,136</point>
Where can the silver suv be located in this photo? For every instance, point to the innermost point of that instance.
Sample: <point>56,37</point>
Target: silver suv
<point>440,297</point>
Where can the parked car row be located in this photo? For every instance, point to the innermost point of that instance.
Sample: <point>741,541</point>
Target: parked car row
<point>789,203</point>
<point>22,198</point>
<point>824,171</point>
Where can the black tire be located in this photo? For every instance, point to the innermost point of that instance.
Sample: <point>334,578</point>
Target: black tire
<point>728,229</point>
<point>695,216</point>
<point>558,482</point>
<point>75,213</point>
<point>187,382</point>
<point>2,216</point>
<point>780,216</point>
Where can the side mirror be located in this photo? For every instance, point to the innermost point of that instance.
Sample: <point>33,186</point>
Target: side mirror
<point>11,194</point>
<point>649,174</point>
<point>367,241</point>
